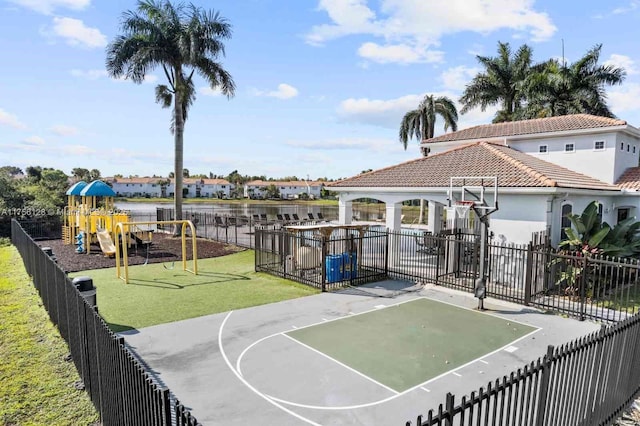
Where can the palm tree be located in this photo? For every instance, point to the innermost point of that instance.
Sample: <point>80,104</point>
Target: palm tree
<point>182,40</point>
<point>559,89</point>
<point>420,123</point>
<point>501,83</point>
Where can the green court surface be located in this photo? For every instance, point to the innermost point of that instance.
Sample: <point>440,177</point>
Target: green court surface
<point>404,345</point>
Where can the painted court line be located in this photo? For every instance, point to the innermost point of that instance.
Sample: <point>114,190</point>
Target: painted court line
<point>341,364</point>
<point>277,401</point>
<point>247,384</point>
<point>360,313</point>
<point>424,389</point>
<point>481,312</point>
<point>380,306</point>
<point>294,327</point>
<point>510,349</point>
<point>483,361</point>
<point>456,374</point>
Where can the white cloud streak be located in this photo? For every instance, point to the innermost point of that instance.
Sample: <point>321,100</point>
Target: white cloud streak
<point>63,130</point>
<point>623,61</point>
<point>48,6</point>
<point>76,33</point>
<point>412,29</point>
<point>284,91</point>
<point>11,120</point>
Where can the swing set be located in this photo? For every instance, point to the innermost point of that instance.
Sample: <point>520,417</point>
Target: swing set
<point>122,229</point>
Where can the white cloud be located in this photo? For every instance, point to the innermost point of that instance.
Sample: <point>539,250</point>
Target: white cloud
<point>412,28</point>
<point>284,91</point>
<point>457,78</point>
<point>624,99</point>
<point>76,150</point>
<point>63,130</point>
<point>389,113</point>
<point>11,120</point>
<point>208,91</point>
<point>76,33</point>
<point>48,6</point>
<point>398,53</point>
<point>89,74</point>
<point>623,61</point>
<point>33,140</point>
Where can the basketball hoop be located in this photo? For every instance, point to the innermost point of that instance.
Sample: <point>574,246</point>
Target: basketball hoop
<point>462,208</point>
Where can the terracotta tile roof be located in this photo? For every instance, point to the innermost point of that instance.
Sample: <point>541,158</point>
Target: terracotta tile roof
<point>201,181</point>
<point>514,169</point>
<point>630,179</point>
<point>526,127</point>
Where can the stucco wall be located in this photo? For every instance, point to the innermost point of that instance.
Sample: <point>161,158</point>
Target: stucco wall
<point>518,217</point>
<point>584,159</point>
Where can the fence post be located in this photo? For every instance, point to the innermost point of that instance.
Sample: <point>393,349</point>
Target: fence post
<point>583,287</point>
<point>449,409</point>
<point>166,406</point>
<point>544,386</point>
<point>323,263</point>
<point>386,252</point>
<point>528,274</point>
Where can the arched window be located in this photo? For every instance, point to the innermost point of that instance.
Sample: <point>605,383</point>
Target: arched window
<point>566,210</point>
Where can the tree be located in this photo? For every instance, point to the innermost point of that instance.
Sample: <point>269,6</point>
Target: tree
<point>272,191</point>
<point>420,123</point>
<point>11,170</point>
<point>185,173</point>
<point>182,41</point>
<point>80,173</point>
<point>94,174</point>
<point>559,89</point>
<point>502,83</point>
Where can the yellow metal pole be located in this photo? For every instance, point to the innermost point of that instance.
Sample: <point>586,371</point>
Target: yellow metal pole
<point>118,227</point>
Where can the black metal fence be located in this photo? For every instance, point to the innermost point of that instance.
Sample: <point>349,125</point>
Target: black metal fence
<point>345,257</point>
<point>119,386</point>
<point>589,381</point>
<point>588,287</point>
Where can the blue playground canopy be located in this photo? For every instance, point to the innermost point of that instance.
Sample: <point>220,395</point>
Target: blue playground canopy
<point>97,188</point>
<point>76,188</point>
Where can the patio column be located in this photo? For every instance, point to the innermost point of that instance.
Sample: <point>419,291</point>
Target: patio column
<point>434,221</point>
<point>394,223</point>
<point>345,211</point>
<point>394,216</point>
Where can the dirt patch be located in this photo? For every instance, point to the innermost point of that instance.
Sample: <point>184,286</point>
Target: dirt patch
<point>164,248</point>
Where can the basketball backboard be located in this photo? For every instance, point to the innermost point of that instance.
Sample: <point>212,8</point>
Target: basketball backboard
<point>482,191</point>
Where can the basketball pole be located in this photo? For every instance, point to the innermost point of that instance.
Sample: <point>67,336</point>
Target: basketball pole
<point>481,282</point>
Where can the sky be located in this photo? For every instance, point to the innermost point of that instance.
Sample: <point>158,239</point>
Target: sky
<point>321,85</point>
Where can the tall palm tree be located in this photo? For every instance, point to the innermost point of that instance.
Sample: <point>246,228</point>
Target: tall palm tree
<point>420,123</point>
<point>501,83</point>
<point>182,40</point>
<point>559,89</point>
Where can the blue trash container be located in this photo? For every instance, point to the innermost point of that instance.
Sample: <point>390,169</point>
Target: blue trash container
<point>350,265</point>
<point>334,268</point>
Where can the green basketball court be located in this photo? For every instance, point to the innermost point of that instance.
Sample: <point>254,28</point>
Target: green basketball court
<point>405,345</point>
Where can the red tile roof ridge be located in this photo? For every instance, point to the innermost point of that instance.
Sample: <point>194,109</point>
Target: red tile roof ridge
<point>544,180</point>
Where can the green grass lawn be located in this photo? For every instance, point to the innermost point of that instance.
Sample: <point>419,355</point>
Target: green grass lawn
<point>156,295</point>
<point>404,345</point>
<point>36,383</point>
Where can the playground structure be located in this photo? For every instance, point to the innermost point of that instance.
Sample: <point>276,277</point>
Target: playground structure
<point>91,217</point>
<point>122,228</point>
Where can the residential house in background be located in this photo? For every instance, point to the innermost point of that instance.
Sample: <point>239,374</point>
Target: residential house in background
<point>164,187</point>
<point>287,189</point>
<point>546,169</point>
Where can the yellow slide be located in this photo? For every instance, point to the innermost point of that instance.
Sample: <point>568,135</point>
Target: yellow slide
<point>106,243</point>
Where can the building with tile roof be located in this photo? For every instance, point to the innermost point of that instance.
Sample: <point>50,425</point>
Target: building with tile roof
<point>545,168</point>
<point>164,187</point>
<point>287,189</point>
